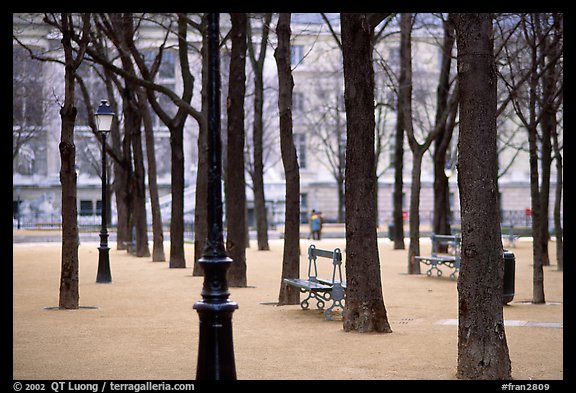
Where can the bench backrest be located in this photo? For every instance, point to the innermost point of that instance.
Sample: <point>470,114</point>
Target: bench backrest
<point>335,256</point>
<point>450,240</point>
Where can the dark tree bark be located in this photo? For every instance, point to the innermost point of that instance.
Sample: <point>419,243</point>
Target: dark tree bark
<point>441,220</point>
<point>139,189</point>
<point>418,149</point>
<point>557,50</point>
<point>257,135</point>
<point>538,61</point>
<point>177,257</point>
<point>547,122</point>
<point>405,92</point>
<point>235,177</point>
<point>157,231</point>
<point>398,171</point>
<point>175,125</point>
<point>291,254</point>
<point>364,310</point>
<point>482,348</point>
<point>124,25</point>
<point>69,292</point>
<point>558,203</point>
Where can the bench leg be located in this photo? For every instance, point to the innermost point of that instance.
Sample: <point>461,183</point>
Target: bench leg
<point>328,312</point>
<point>304,303</point>
<point>338,295</point>
<point>453,274</point>
<point>320,298</point>
<point>433,266</point>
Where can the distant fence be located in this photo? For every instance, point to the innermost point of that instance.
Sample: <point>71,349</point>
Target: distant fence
<point>508,218</point>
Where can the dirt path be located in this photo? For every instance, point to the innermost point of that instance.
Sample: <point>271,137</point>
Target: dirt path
<point>144,326</point>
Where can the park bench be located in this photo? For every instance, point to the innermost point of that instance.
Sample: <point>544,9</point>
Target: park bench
<point>323,290</point>
<point>450,259</point>
<point>510,236</point>
<point>131,245</point>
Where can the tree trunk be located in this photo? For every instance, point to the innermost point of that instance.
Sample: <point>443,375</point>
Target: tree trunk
<point>235,177</point>
<point>257,135</point>
<point>258,179</point>
<point>364,310</point>
<point>177,257</point>
<point>398,169</point>
<point>537,248</point>
<point>417,150</point>
<point>157,231</point>
<point>414,216</point>
<point>441,221</point>
<point>69,292</point>
<point>548,116</point>
<point>133,118</point>
<point>537,245</point>
<point>291,255</point>
<point>558,204</point>
<point>132,121</point>
<point>122,175</point>
<point>482,348</point>
<point>558,74</point>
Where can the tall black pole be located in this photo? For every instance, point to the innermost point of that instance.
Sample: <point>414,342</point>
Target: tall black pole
<point>215,348</point>
<point>104,275</point>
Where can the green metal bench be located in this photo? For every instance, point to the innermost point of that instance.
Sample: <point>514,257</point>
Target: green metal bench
<point>322,290</point>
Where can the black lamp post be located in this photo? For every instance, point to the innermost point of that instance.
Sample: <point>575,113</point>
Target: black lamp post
<point>104,117</point>
<point>215,348</point>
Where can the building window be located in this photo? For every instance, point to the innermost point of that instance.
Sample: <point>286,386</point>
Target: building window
<point>304,208</point>
<point>296,54</point>
<point>86,208</point>
<point>300,144</point>
<point>297,102</point>
<point>27,93</point>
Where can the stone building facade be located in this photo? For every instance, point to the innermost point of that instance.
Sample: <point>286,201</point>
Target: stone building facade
<point>319,126</point>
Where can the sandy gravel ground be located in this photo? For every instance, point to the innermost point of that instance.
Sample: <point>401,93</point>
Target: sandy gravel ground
<point>144,327</point>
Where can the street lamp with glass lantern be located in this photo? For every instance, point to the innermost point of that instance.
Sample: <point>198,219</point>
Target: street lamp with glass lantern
<point>215,346</point>
<point>104,117</point>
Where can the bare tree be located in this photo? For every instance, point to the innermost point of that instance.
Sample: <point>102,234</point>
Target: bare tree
<point>530,76</point>
<point>418,149</point>
<point>364,310</point>
<point>482,348</point>
<point>69,291</point>
<point>441,221</point>
<point>121,28</point>
<point>291,255</point>
<point>235,175</point>
<point>157,231</point>
<point>257,61</point>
